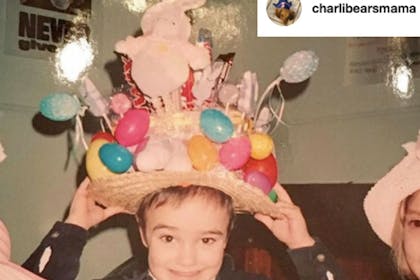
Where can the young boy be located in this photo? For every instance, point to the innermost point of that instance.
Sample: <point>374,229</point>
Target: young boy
<point>186,230</point>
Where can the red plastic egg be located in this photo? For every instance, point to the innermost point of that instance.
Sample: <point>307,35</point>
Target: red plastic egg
<point>267,166</point>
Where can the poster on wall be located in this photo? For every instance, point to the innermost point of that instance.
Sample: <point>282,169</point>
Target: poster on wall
<point>36,28</point>
<point>369,60</point>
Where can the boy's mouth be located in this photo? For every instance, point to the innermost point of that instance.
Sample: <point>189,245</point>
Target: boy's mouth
<point>186,274</point>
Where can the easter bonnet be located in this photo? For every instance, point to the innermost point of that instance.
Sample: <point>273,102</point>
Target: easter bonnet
<point>382,202</point>
<point>179,122</point>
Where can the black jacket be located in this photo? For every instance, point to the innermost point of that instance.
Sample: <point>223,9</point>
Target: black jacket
<point>131,270</point>
<point>67,241</point>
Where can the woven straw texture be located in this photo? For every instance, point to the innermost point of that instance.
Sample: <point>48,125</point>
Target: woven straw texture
<point>128,190</point>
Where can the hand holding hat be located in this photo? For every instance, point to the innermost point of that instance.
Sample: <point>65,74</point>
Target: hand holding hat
<point>289,225</point>
<point>84,212</point>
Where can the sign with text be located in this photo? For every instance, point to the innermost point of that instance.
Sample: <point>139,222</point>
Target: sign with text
<point>36,28</point>
<point>369,60</point>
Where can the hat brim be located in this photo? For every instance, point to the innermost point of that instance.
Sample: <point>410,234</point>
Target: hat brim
<point>382,202</point>
<point>128,190</point>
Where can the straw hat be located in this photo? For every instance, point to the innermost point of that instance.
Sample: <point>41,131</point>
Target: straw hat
<point>182,134</point>
<point>382,202</point>
<point>175,131</point>
<point>9,270</point>
<point>128,190</point>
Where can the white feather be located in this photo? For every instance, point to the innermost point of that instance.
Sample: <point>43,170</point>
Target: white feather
<point>98,105</point>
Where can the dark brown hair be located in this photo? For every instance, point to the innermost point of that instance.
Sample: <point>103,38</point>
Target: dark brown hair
<point>175,195</point>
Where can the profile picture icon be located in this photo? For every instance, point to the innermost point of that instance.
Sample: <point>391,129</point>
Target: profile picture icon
<point>283,12</point>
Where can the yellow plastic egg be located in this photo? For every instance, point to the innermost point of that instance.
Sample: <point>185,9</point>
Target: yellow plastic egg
<point>94,166</point>
<point>261,145</point>
<point>202,152</point>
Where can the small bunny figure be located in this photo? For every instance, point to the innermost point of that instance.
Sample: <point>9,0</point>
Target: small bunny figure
<point>162,56</point>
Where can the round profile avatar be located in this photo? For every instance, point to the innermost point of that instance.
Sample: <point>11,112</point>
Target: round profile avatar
<point>283,12</point>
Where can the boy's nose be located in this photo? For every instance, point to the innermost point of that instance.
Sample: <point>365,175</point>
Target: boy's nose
<point>187,255</point>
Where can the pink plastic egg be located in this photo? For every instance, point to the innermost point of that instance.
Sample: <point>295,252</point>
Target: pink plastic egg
<point>132,127</point>
<point>120,103</point>
<point>259,180</point>
<point>235,153</point>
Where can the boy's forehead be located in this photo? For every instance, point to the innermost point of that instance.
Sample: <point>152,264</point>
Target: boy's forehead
<point>205,200</point>
<point>189,207</point>
<point>181,206</point>
<point>176,199</point>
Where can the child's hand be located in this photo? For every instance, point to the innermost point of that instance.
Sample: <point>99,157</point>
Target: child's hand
<point>84,212</point>
<point>290,226</point>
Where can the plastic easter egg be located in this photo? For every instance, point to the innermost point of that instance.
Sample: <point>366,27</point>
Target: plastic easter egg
<point>94,166</point>
<point>259,180</point>
<point>216,125</point>
<point>59,107</point>
<point>202,152</point>
<point>235,153</point>
<point>261,145</point>
<point>267,166</point>
<point>117,158</point>
<point>135,149</point>
<point>120,103</point>
<point>273,196</point>
<point>103,135</point>
<point>141,146</point>
<point>132,127</point>
<point>179,161</point>
<point>299,66</point>
<point>154,156</point>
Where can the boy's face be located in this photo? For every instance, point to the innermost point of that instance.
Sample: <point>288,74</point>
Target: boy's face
<point>186,241</point>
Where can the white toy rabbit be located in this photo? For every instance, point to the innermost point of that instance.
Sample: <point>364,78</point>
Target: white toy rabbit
<point>162,56</point>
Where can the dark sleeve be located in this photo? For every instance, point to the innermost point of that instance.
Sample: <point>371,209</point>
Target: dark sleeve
<point>58,255</point>
<point>315,263</point>
<point>239,275</point>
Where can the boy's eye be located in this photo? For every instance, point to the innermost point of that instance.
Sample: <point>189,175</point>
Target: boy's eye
<point>414,223</point>
<point>167,238</point>
<point>208,240</point>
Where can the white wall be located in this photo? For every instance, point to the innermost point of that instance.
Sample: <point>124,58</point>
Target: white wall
<point>335,133</point>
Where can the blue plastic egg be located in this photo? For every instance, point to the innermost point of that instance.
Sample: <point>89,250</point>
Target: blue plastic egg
<point>116,157</point>
<point>216,125</point>
<point>59,107</point>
